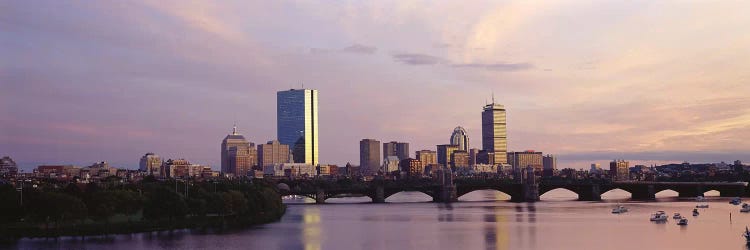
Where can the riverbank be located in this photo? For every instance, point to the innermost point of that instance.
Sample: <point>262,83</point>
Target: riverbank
<point>148,206</point>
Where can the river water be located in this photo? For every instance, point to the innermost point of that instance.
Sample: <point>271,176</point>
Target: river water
<point>483,220</point>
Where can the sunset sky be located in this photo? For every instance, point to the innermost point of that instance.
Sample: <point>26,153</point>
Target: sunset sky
<point>589,81</point>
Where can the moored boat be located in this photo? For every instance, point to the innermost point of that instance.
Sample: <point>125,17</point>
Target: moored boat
<point>682,222</point>
<point>619,210</point>
<point>745,208</point>
<point>695,212</point>
<point>735,201</point>
<point>677,216</point>
<point>659,216</point>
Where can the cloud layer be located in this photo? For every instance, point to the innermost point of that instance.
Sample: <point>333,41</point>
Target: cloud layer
<point>585,80</point>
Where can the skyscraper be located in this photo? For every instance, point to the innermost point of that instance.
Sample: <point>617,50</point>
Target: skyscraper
<point>460,138</point>
<point>549,163</point>
<point>237,154</point>
<point>619,170</point>
<point>150,163</point>
<point>272,153</point>
<point>398,149</point>
<point>369,156</point>
<point>297,123</point>
<point>494,133</point>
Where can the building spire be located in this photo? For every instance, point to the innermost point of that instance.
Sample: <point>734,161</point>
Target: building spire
<point>493,97</point>
<point>234,129</point>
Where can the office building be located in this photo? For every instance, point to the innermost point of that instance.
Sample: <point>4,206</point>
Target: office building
<point>369,156</point>
<point>473,154</point>
<point>528,158</point>
<point>150,163</point>
<point>182,169</point>
<point>272,153</point>
<point>390,164</point>
<point>444,153</point>
<point>494,133</point>
<point>297,123</point>
<point>596,168</point>
<point>238,155</point>
<point>398,149</point>
<point>549,165</point>
<point>8,167</point>
<point>619,170</point>
<point>412,167</point>
<point>459,159</point>
<point>460,138</point>
<point>485,157</point>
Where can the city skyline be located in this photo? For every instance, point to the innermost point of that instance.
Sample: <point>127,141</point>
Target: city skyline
<point>560,96</point>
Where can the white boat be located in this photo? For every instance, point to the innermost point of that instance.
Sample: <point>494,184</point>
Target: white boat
<point>659,216</point>
<point>677,216</point>
<point>682,222</point>
<point>745,208</point>
<point>702,205</point>
<point>700,198</point>
<point>735,201</point>
<point>695,212</point>
<point>619,210</point>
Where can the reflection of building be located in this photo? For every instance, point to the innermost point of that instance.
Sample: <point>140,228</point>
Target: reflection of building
<point>549,165</point>
<point>297,123</point>
<point>528,158</point>
<point>369,156</point>
<point>412,167</point>
<point>444,153</point>
<point>494,134</point>
<point>151,164</point>
<point>8,167</point>
<point>272,153</point>
<point>398,149</point>
<point>619,170</point>
<point>460,138</point>
<point>237,154</point>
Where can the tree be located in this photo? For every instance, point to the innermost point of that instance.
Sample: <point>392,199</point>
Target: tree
<point>10,210</point>
<point>162,202</point>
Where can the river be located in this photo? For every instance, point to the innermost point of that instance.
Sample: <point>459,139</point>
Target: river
<point>483,220</point>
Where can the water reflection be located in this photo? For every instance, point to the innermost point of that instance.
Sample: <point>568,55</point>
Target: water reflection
<point>311,228</point>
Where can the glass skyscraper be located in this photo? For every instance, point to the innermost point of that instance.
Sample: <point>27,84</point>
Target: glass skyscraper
<point>297,123</point>
<point>494,134</point>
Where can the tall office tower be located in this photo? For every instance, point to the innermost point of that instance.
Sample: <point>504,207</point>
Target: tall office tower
<point>473,154</point>
<point>237,154</point>
<point>444,153</point>
<point>528,158</point>
<point>369,156</point>
<point>150,163</point>
<point>619,170</point>
<point>426,157</point>
<point>549,165</point>
<point>398,149</point>
<point>272,153</point>
<point>460,138</point>
<point>596,168</point>
<point>494,133</point>
<point>297,123</point>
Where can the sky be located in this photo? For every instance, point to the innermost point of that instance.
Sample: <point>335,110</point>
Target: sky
<point>588,81</point>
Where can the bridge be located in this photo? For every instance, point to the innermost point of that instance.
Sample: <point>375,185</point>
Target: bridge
<point>380,190</point>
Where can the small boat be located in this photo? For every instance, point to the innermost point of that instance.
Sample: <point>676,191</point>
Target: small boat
<point>695,212</point>
<point>659,216</point>
<point>682,222</point>
<point>735,201</point>
<point>700,198</point>
<point>619,210</point>
<point>745,208</point>
<point>746,234</point>
<point>677,216</point>
<point>702,205</point>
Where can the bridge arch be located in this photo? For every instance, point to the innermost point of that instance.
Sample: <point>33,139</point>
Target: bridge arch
<point>616,194</point>
<point>559,194</point>
<point>489,194</point>
<point>666,193</point>
<point>408,196</point>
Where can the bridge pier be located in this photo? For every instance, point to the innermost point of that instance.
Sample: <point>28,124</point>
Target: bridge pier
<point>446,194</point>
<point>645,193</point>
<point>592,194</point>
<point>379,196</point>
<point>320,196</point>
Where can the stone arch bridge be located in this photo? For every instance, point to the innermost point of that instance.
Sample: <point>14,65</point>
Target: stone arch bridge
<point>380,190</point>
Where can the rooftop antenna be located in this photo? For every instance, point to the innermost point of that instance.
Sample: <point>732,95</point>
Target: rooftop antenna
<point>493,97</point>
